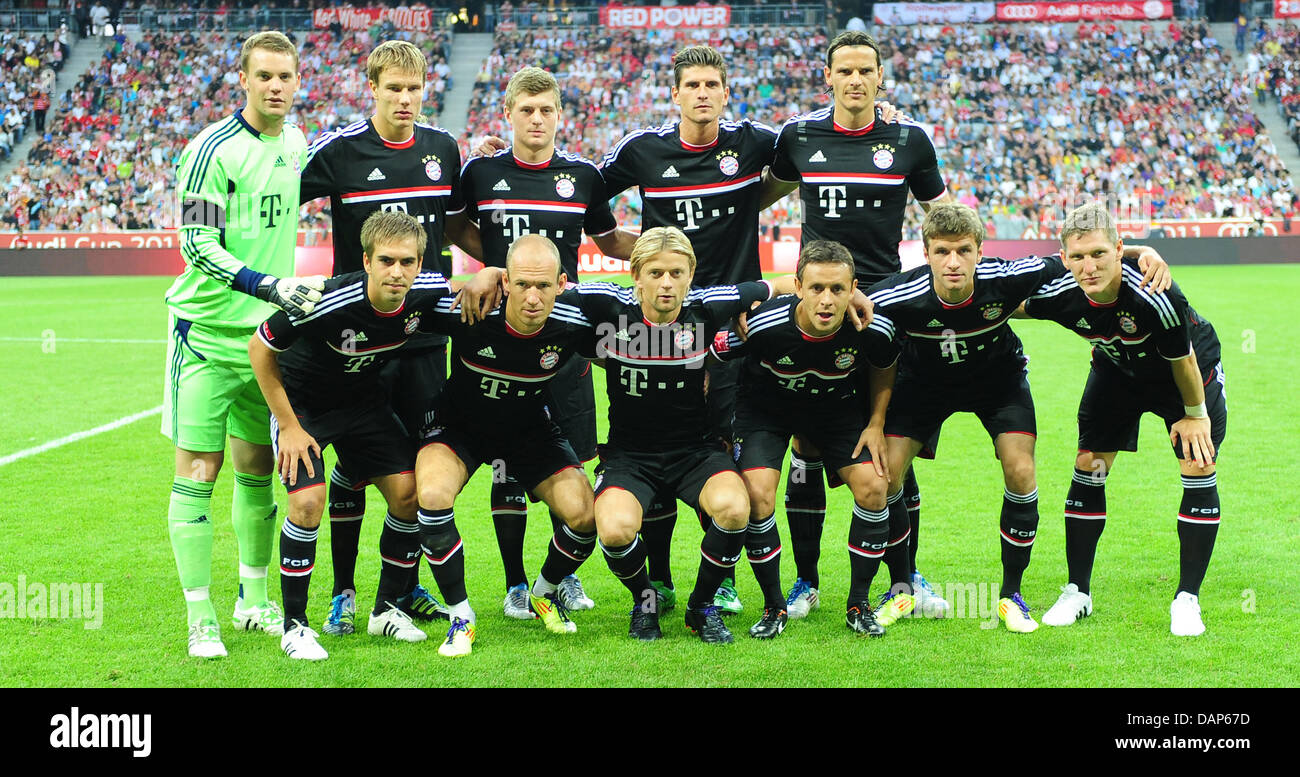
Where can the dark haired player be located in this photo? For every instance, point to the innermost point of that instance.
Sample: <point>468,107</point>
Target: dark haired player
<point>854,173</point>
<point>802,375</point>
<point>389,162</point>
<point>320,375</point>
<point>1151,353</point>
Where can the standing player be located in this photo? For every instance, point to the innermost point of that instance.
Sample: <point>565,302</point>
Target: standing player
<point>654,339</point>
<point>1151,353</point>
<point>800,377</point>
<point>494,410</point>
<point>532,188</point>
<point>238,186</point>
<point>853,173</point>
<point>389,162</point>
<point>320,375</point>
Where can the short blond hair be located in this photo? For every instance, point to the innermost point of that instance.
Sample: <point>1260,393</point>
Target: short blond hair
<point>389,226</point>
<point>661,240</point>
<point>399,55</point>
<point>531,80</point>
<point>271,40</point>
<point>1093,217</point>
<point>952,220</point>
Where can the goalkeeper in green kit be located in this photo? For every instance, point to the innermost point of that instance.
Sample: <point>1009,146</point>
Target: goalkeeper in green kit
<point>238,188</point>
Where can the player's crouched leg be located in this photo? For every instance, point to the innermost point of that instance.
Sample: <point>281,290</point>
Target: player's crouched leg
<point>724,499</point>
<point>568,494</point>
<point>399,551</point>
<point>868,538</point>
<point>298,559</point>
<point>440,473</point>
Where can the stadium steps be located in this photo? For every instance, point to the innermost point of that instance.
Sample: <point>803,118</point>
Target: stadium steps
<point>85,53</point>
<point>1269,114</point>
<point>467,55</point>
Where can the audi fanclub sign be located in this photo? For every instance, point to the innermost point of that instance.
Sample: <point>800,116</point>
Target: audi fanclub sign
<point>666,18</point>
<point>1123,10</point>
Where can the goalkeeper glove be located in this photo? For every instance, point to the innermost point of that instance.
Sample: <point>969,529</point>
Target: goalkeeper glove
<point>295,296</point>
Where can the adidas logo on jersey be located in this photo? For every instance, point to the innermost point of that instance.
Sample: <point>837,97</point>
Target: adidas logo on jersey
<point>360,338</point>
<point>817,157</point>
<point>1082,323</point>
<point>375,175</point>
<point>671,172</point>
<point>785,360</point>
<point>623,335</point>
<point>279,162</point>
<point>501,186</point>
<point>935,322</point>
<point>487,352</point>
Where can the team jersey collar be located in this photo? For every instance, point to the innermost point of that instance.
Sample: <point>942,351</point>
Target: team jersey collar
<point>949,305</point>
<point>382,314</point>
<point>794,318</point>
<point>1094,303</point>
<point>532,165</point>
<point>388,143</point>
<point>516,333</point>
<point>239,117</point>
<point>692,146</point>
<point>843,130</point>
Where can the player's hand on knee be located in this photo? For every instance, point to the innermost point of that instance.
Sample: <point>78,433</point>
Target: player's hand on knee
<point>490,145</point>
<point>873,439</point>
<point>296,445</point>
<point>295,296</point>
<point>1194,435</point>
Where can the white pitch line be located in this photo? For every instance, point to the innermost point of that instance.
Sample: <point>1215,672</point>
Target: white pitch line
<point>57,340</point>
<point>52,444</point>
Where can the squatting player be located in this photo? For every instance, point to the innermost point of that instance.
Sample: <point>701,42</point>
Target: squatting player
<point>801,376</point>
<point>495,410</point>
<point>654,338</point>
<point>238,187</point>
<point>320,375</point>
<point>388,162</point>
<point>853,172</point>
<point>1151,353</point>
<point>531,188</point>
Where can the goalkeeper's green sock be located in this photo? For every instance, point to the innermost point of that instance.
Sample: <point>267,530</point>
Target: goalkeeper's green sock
<point>253,513</point>
<point>191,536</point>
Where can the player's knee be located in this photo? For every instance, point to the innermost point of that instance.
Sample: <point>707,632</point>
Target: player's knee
<point>404,506</point>
<point>1018,474</point>
<point>306,507</point>
<point>615,531</point>
<point>730,510</point>
<point>435,495</point>
<point>762,503</point>
<point>870,492</point>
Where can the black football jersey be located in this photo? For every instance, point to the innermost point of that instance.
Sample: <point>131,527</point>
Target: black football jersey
<point>854,183</point>
<point>559,199</point>
<point>784,364</point>
<point>1140,332</point>
<point>331,358</point>
<point>709,192</point>
<point>956,344</point>
<point>499,376</point>
<point>654,373</point>
<point>361,173</point>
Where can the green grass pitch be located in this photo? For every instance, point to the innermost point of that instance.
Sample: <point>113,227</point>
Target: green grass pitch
<point>93,511</point>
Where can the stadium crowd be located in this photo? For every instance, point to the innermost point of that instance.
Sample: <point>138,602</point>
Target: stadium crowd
<point>1026,118</point>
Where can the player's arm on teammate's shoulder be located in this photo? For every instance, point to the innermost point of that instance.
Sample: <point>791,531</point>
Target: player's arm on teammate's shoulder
<point>293,442</point>
<point>465,234</point>
<point>489,146</point>
<point>772,189</point>
<point>927,204</point>
<point>1155,270</point>
<point>617,244</point>
<point>480,295</point>
<point>1192,431</point>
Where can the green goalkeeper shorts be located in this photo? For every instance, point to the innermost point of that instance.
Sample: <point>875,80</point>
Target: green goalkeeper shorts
<point>210,388</point>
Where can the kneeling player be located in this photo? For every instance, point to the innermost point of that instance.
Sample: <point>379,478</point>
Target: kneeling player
<point>327,391</point>
<point>494,410</point>
<point>799,379</point>
<point>1152,353</point>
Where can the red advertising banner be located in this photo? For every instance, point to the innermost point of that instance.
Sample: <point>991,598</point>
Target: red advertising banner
<point>1286,9</point>
<point>161,238</point>
<point>1102,10</point>
<point>408,19</point>
<point>666,18</point>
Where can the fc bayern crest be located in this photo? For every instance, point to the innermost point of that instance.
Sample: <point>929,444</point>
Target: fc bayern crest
<point>883,159</point>
<point>992,312</point>
<point>728,165</point>
<point>564,188</point>
<point>1127,325</point>
<point>433,170</point>
<point>844,361</point>
<point>412,325</point>
<point>549,360</point>
<point>684,339</point>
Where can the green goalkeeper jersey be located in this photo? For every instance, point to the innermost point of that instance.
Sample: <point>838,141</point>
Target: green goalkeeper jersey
<point>238,193</point>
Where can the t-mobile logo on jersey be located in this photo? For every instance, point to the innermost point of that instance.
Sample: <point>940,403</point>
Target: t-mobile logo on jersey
<point>513,225</point>
<point>688,210</point>
<point>634,379</point>
<point>832,198</point>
